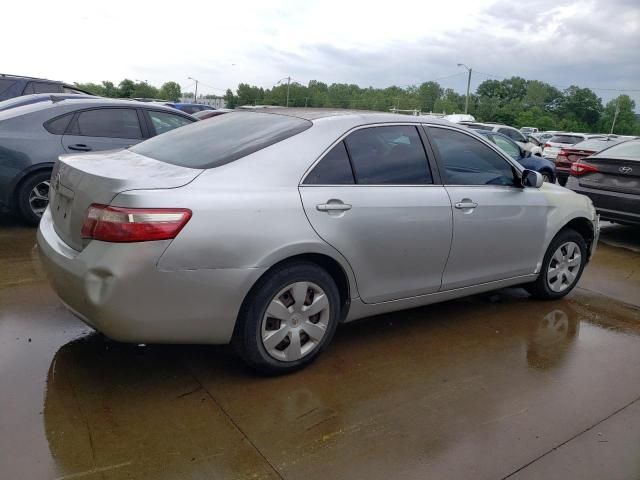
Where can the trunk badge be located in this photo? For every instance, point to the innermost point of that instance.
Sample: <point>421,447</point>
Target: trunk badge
<point>625,169</point>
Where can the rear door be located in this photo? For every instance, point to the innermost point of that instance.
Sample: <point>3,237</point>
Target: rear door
<point>498,227</point>
<point>375,198</point>
<point>104,128</point>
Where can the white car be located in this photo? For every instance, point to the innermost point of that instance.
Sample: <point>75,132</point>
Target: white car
<point>564,140</point>
<point>513,133</point>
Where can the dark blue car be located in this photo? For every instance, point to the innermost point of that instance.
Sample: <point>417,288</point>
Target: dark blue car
<point>190,108</point>
<point>531,162</point>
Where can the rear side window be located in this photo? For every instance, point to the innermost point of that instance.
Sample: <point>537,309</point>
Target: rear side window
<point>513,134</point>
<point>569,139</point>
<point>5,84</point>
<point>42,87</point>
<point>164,121</point>
<point>468,161</point>
<point>108,122</point>
<point>333,169</point>
<point>388,155</point>
<point>59,125</point>
<point>190,109</point>
<point>222,139</point>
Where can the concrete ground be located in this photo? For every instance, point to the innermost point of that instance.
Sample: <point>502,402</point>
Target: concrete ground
<point>494,386</point>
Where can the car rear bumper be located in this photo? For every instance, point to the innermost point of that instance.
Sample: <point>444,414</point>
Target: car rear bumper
<point>118,290</point>
<point>612,206</point>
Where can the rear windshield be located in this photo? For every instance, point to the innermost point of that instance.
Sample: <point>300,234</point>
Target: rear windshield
<point>595,145</point>
<point>629,150</point>
<point>222,139</point>
<point>569,139</point>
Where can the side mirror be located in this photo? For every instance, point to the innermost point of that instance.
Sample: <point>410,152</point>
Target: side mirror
<point>532,179</point>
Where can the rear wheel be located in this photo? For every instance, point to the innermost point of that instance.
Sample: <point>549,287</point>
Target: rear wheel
<point>562,266</point>
<point>562,181</point>
<point>33,197</point>
<point>290,317</point>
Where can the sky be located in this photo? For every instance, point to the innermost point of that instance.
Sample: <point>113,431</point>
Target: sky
<point>594,43</point>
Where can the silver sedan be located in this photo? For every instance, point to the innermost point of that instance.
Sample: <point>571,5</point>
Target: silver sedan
<point>268,229</point>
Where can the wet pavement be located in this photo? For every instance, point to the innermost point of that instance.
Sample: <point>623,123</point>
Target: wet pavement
<point>494,386</point>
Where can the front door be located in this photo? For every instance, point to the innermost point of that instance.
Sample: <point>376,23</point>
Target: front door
<point>498,227</point>
<point>374,199</point>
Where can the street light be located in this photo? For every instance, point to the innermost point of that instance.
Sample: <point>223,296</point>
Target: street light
<point>466,102</point>
<point>195,97</point>
<point>288,79</point>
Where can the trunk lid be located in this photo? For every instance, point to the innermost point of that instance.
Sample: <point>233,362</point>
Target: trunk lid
<point>77,181</point>
<point>614,174</point>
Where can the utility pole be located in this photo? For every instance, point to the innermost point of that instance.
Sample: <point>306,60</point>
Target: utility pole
<point>615,115</point>
<point>466,102</point>
<point>195,98</point>
<point>288,84</point>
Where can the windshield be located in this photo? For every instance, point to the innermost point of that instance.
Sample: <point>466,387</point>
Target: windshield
<point>221,139</point>
<point>629,150</point>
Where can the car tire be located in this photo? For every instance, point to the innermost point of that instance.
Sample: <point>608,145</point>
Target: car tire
<point>32,197</point>
<point>562,181</point>
<point>295,339</point>
<point>562,266</point>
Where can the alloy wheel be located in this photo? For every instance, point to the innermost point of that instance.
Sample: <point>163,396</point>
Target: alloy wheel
<point>564,267</point>
<point>295,321</point>
<point>39,197</point>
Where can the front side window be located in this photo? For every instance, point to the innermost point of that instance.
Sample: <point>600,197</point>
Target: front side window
<point>509,147</point>
<point>164,121</point>
<point>108,122</point>
<point>333,169</point>
<point>392,155</point>
<point>467,161</point>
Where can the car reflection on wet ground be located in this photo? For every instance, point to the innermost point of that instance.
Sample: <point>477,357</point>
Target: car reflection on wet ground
<point>492,386</point>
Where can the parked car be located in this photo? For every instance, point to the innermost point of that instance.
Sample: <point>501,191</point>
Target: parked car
<point>542,137</point>
<point>564,140</point>
<point>611,178</point>
<point>190,108</point>
<point>526,131</point>
<point>203,114</point>
<point>513,133</point>
<point>35,98</point>
<point>545,167</point>
<point>268,228</point>
<point>33,136</point>
<point>585,148</point>
<point>16,85</point>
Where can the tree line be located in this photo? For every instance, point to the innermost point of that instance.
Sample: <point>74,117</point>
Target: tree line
<point>514,101</point>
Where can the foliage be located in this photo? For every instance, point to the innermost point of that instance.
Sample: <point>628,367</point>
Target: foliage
<point>514,101</point>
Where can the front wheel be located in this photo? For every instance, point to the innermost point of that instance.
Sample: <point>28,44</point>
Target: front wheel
<point>562,266</point>
<point>289,318</point>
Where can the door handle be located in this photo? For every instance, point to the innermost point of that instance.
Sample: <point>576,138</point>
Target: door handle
<point>333,207</point>
<point>79,147</point>
<point>466,204</point>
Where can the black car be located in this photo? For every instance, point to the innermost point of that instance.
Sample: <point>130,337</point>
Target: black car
<point>16,85</point>
<point>611,178</point>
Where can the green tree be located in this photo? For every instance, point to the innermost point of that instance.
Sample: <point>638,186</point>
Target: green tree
<point>91,88</point>
<point>126,88</point>
<point>144,90</point>
<point>170,91</point>
<point>109,89</point>
<point>580,107</point>
<point>428,93</point>
<point>230,99</point>
<point>626,122</point>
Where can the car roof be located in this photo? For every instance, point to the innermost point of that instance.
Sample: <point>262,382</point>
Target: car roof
<point>359,116</point>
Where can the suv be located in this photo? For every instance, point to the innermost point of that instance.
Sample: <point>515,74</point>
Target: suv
<point>564,140</point>
<point>17,85</point>
<point>33,136</point>
<point>513,133</point>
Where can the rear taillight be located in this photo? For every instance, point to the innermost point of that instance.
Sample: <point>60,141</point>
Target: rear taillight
<point>580,168</point>
<point>118,224</point>
<point>561,154</point>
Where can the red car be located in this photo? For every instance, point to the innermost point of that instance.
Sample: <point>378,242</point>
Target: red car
<point>567,156</point>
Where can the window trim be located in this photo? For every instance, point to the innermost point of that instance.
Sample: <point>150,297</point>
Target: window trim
<point>518,168</point>
<point>74,121</point>
<point>431,162</point>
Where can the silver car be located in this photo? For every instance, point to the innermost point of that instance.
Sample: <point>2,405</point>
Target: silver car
<point>269,228</point>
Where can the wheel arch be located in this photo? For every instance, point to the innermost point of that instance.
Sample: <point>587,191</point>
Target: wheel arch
<point>23,177</point>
